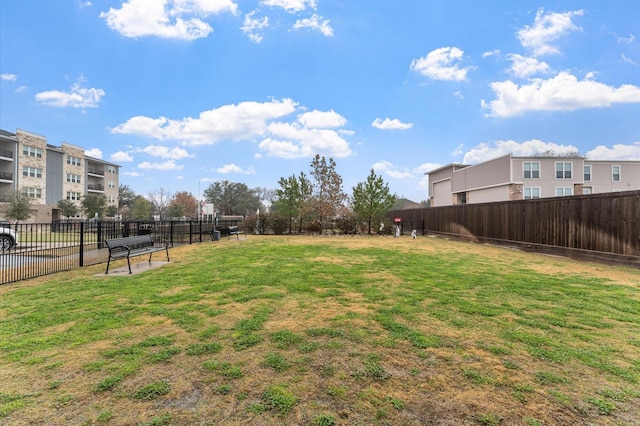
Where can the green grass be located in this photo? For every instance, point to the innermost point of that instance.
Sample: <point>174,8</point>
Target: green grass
<point>328,330</point>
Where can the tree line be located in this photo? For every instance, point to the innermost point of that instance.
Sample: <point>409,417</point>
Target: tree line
<point>311,198</point>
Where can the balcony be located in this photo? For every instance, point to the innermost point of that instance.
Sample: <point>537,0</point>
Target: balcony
<point>95,172</point>
<point>6,177</point>
<point>95,188</point>
<point>6,155</point>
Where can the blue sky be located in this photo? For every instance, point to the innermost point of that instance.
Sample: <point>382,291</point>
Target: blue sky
<point>182,93</point>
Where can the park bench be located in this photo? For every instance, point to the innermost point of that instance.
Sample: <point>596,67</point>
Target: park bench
<point>134,246</point>
<point>233,230</point>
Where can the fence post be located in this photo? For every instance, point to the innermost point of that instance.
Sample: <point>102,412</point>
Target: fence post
<point>81,254</point>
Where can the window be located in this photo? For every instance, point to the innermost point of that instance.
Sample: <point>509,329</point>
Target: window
<point>586,190</point>
<point>73,178</point>
<point>112,169</point>
<point>561,192</point>
<point>531,193</point>
<point>34,192</point>
<point>31,151</point>
<point>531,170</point>
<point>31,172</point>
<point>587,173</point>
<point>73,196</point>
<point>563,170</point>
<point>112,184</point>
<point>112,199</point>
<point>615,173</point>
<point>74,161</point>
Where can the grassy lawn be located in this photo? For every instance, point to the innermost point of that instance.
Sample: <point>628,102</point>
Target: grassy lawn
<point>324,331</point>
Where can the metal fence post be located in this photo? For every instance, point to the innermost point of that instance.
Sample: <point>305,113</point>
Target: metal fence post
<point>81,254</point>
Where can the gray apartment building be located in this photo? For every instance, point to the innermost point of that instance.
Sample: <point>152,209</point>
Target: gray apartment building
<point>517,178</point>
<point>50,173</point>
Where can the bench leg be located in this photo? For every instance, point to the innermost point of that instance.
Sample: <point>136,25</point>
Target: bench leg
<point>108,263</point>
<point>129,264</point>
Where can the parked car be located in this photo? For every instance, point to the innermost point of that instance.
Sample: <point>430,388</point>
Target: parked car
<point>8,237</point>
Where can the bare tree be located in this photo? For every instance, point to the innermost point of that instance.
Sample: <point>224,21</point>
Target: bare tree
<point>160,200</point>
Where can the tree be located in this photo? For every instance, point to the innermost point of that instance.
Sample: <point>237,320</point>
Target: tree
<point>289,200</point>
<point>372,199</point>
<point>111,211</point>
<point>19,206</point>
<point>141,208</point>
<point>183,204</point>
<point>94,205</point>
<point>126,196</point>
<point>327,188</point>
<point>67,208</point>
<point>232,198</point>
<point>160,200</point>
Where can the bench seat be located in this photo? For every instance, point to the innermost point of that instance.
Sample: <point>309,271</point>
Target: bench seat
<point>127,247</point>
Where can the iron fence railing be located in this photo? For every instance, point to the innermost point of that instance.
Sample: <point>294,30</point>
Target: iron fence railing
<point>46,248</point>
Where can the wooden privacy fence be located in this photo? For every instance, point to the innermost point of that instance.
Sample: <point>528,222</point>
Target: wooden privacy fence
<point>598,226</point>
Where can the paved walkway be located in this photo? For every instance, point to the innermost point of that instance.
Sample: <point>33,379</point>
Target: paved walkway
<point>136,268</point>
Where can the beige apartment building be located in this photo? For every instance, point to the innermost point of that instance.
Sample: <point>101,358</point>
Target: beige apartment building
<point>517,178</point>
<point>50,173</point>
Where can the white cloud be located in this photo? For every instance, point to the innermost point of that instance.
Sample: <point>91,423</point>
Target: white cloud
<point>290,140</point>
<point>628,60</point>
<point>253,28</point>
<point>441,64</point>
<point>132,174</point>
<point>627,40</point>
<point>179,19</point>
<point>389,124</point>
<point>94,152</point>
<point>427,167</point>
<point>167,165</point>
<point>228,122</point>
<point>321,119</point>
<point>546,29</point>
<point>490,53</point>
<point>483,152</point>
<point>308,134</point>
<point>391,170</point>
<point>317,23</point>
<point>563,92</point>
<point>291,6</point>
<point>8,77</point>
<point>233,168</point>
<point>281,149</point>
<point>523,67</point>
<point>121,157</point>
<point>618,152</point>
<point>78,97</point>
<point>164,152</point>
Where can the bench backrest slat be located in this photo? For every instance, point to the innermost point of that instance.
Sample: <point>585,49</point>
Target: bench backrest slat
<point>138,241</point>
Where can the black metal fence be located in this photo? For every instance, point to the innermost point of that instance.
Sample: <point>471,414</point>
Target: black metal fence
<point>46,248</point>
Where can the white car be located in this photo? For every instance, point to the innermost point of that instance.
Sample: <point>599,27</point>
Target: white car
<point>8,237</point>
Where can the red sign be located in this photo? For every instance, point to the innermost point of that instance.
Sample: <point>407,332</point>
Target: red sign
<point>397,220</point>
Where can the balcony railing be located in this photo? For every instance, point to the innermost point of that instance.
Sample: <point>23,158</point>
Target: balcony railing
<point>95,172</point>
<point>6,176</point>
<point>95,187</point>
<point>6,154</point>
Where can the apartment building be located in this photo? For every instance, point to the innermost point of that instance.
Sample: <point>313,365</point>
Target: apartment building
<point>516,178</point>
<point>50,173</point>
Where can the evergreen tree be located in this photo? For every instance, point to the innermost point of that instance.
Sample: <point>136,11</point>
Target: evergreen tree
<point>372,199</point>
